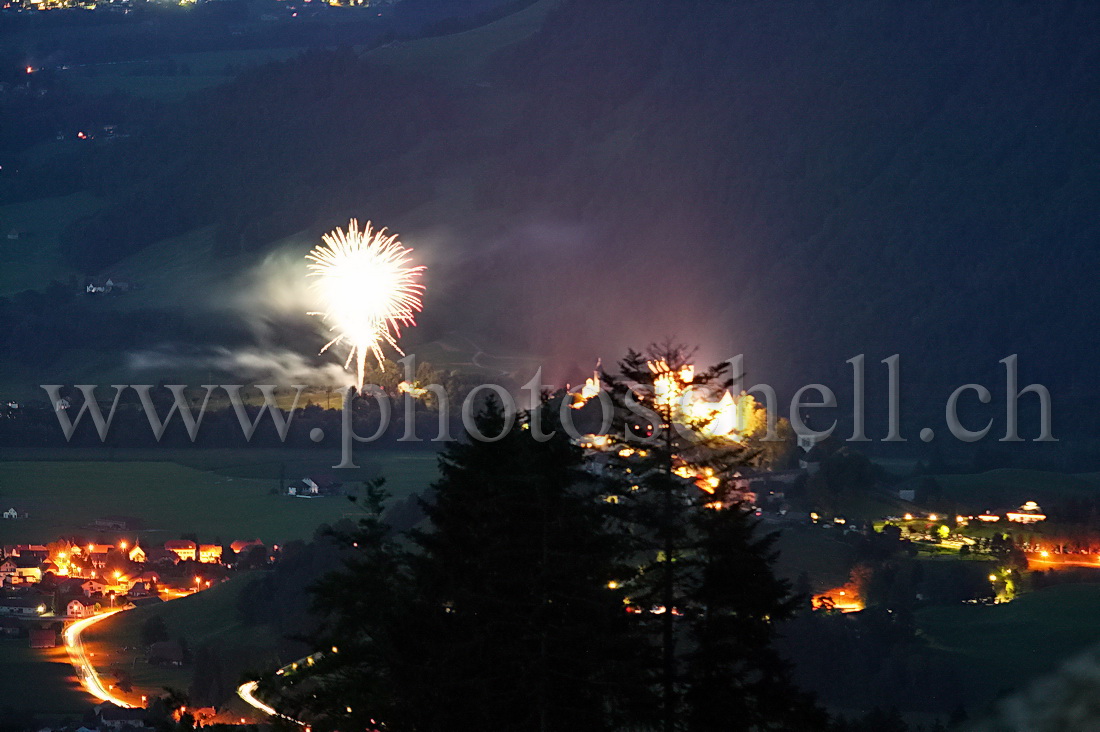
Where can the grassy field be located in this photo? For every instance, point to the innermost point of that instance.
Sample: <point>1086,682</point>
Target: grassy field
<point>208,617</point>
<point>217,494</point>
<point>814,551</point>
<point>1002,647</point>
<point>1011,487</point>
<point>33,260</point>
<point>25,672</point>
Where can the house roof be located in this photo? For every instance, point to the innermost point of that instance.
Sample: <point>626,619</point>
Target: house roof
<point>20,601</point>
<point>176,544</point>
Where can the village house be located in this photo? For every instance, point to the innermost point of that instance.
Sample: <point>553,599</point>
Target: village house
<point>96,554</point>
<point>318,485</point>
<point>70,587</point>
<point>182,548</point>
<point>116,718</point>
<point>107,286</point>
<point>138,589</point>
<point>149,578</point>
<point>210,553</point>
<point>137,554</point>
<point>38,551</point>
<point>81,607</point>
<point>11,513</point>
<point>7,569</point>
<point>22,605</point>
<point>20,570</point>
<point>115,523</point>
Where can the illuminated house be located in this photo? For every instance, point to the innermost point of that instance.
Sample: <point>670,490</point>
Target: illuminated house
<point>182,548</point>
<point>7,570</point>
<point>80,608</point>
<point>22,605</point>
<point>21,570</point>
<point>1029,513</point>
<point>97,554</point>
<point>149,579</point>
<point>210,553</point>
<point>137,554</point>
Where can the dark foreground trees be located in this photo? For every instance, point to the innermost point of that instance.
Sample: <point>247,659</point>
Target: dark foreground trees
<point>542,594</point>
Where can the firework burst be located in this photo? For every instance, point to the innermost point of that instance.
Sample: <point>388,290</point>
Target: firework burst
<point>369,289</point>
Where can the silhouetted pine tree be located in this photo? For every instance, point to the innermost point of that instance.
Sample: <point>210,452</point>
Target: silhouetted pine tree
<point>704,591</point>
<point>735,679</point>
<point>498,616</point>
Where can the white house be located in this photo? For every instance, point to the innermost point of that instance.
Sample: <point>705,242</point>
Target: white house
<point>11,513</point>
<point>80,608</point>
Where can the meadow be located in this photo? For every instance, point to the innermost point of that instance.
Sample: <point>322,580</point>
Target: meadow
<point>215,494</point>
<point>24,674</point>
<point>33,260</point>
<point>1003,647</point>
<point>1011,487</point>
<point>826,560</point>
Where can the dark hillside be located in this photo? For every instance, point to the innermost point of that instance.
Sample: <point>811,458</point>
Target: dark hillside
<point>797,180</point>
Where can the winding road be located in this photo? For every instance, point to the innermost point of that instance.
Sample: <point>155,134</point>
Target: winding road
<point>247,692</point>
<point>89,679</point>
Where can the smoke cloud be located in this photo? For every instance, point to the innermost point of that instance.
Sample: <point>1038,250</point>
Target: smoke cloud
<point>253,365</point>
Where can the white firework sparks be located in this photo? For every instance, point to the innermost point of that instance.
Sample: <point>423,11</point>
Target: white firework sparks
<point>369,290</point>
